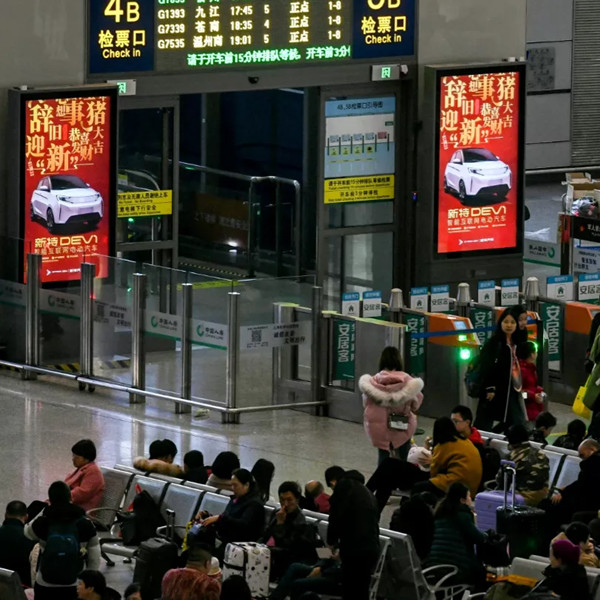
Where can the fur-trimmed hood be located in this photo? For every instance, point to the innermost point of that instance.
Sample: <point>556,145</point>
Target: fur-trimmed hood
<point>391,388</point>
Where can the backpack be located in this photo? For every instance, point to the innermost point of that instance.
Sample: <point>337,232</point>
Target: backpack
<point>473,377</point>
<point>140,524</point>
<point>62,560</point>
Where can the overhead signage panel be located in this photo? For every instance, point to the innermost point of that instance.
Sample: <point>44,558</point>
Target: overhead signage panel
<point>479,159</point>
<point>167,36</point>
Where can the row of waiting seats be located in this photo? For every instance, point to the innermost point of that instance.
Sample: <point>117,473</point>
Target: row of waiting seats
<point>564,464</point>
<point>399,573</point>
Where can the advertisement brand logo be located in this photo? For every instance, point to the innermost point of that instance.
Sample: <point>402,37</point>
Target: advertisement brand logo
<point>200,330</point>
<point>51,300</point>
<point>551,252</point>
<point>154,321</point>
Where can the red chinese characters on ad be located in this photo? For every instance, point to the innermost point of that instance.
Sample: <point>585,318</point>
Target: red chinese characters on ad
<point>67,184</point>
<point>478,162</point>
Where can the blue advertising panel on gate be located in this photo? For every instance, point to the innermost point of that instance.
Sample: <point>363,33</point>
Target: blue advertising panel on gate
<point>383,28</point>
<point>121,37</point>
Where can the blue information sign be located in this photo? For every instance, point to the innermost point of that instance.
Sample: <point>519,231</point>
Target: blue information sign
<point>383,28</point>
<point>121,36</point>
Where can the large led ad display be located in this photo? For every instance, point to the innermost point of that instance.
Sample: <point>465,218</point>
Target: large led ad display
<point>67,183</point>
<point>479,160</point>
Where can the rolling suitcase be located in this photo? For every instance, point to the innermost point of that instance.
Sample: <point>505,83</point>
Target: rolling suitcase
<point>524,526</point>
<point>486,505</point>
<point>154,558</point>
<point>253,562</point>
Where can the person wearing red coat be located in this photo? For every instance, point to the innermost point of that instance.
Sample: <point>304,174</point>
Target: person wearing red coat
<point>86,482</point>
<point>534,403</point>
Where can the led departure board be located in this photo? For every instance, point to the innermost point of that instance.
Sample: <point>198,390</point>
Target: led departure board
<point>166,36</point>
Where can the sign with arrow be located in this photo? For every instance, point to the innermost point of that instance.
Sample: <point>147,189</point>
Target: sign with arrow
<point>351,304</point>
<point>419,298</point>
<point>486,292</point>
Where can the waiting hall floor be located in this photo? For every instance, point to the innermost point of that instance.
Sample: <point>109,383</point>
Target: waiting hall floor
<point>41,420</point>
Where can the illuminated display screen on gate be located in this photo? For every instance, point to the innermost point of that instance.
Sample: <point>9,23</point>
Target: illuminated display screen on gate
<point>479,160</point>
<point>166,36</point>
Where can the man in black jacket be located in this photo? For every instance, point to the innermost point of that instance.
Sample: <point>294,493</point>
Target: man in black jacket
<point>288,534</point>
<point>354,529</point>
<point>14,546</point>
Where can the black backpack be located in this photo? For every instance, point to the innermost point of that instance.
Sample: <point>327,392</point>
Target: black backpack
<point>62,560</point>
<point>141,524</point>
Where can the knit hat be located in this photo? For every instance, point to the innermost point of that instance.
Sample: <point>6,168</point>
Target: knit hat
<point>566,551</point>
<point>86,449</point>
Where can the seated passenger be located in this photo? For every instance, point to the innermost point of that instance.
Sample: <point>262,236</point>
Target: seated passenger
<point>222,468</point>
<point>193,467</point>
<point>263,471</point>
<point>315,492</point>
<point>455,536</point>
<point>579,534</point>
<point>288,534</point>
<point>91,585</point>
<point>244,517</point>
<point>162,453</point>
<point>544,424</point>
<point>453,459</point>
<point>132,592</point>
<point>235,588</point>
<point>14,546</point>
<point>565,577</point>
<point>193,581</point>
<point>324,577</point>
<point>574,436</point>
<point>532,466</point>
<point>86,482</point>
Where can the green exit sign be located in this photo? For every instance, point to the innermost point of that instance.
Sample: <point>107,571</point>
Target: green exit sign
<point>126,87</point>
<point>385,72</point>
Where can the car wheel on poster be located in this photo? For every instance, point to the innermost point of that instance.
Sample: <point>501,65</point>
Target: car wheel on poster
<point>50,221</point>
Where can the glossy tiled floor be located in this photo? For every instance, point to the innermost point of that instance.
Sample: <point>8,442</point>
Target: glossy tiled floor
<point>41,420</point>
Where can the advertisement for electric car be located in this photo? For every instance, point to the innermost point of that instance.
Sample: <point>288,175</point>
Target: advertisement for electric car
<point>67,183</point>
<point>478,161</point>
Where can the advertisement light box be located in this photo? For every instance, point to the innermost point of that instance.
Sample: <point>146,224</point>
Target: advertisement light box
<point>479,160</point>
<point>67,179</point>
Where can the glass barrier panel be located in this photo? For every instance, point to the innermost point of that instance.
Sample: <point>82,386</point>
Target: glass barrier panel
<point>13,298</point>
<point>113,296</point>
<point>210,332</point>
<point>258,336</point>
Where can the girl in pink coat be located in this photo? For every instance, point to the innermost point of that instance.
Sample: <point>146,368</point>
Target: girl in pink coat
<point>390,399</point>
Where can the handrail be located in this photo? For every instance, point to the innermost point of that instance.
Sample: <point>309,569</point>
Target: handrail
<point>253,180</point>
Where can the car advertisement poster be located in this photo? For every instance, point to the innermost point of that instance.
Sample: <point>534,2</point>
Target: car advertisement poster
<point>479,146</point>
<point>359,150</point>
<point>67,183</point>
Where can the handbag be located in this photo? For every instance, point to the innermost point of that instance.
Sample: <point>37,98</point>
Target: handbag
<point>493,551</point>
<point>579,408</point>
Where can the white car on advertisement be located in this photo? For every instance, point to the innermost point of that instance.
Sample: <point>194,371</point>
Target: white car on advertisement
<point>477,172</point>
<point>65,199</point>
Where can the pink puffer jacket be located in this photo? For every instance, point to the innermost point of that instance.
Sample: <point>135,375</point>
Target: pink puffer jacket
<point>390,392</point>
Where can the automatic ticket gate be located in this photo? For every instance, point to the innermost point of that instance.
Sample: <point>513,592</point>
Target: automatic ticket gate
<point>447,355</point>
<point>567,371</point>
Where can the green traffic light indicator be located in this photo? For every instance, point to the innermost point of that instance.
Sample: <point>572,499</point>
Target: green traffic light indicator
<point>465,354</point>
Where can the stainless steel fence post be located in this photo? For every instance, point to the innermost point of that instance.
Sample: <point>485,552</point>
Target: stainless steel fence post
<point>532,294</point>
<point>233,349</point>
<point>86,324</point>
<point>138,356</point>
<point>396,305</point>
<point>186,349</point>
<point>463,300</point>
<point>316,349</point>
<point>32,318</point>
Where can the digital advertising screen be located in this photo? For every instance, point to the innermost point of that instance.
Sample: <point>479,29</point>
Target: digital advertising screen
<point>166,36</point>
<point>68,181</point>
<point>479,160</point>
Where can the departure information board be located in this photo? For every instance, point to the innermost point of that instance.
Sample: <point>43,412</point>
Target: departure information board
<point>166,36</point>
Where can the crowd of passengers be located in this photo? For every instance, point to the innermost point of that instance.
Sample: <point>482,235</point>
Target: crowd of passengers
<point>439,479</point>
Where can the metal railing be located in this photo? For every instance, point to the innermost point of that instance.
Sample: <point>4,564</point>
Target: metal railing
<point>139,390</point>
